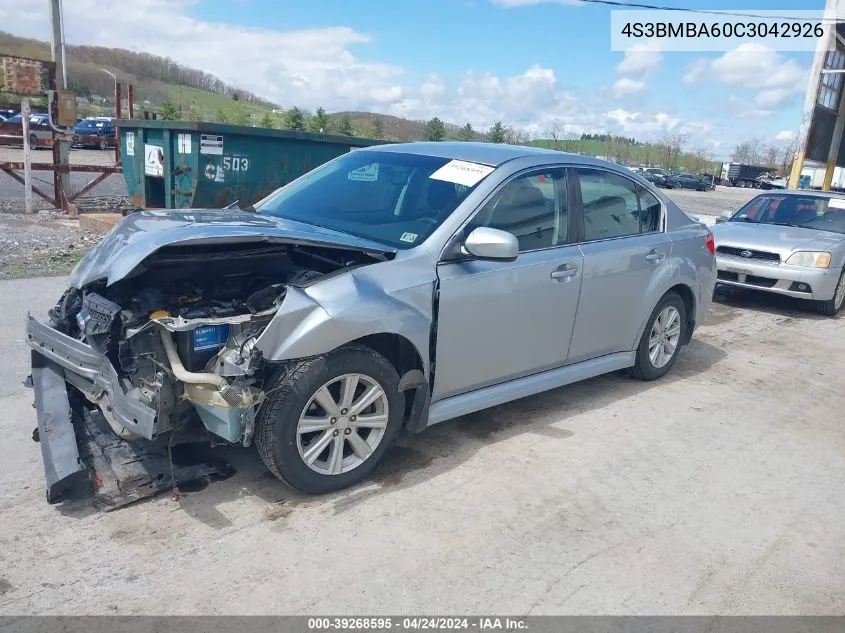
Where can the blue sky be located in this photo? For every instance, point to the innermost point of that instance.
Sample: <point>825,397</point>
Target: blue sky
<point>534,65</point>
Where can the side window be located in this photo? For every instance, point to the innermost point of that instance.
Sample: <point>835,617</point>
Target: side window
<point>615,206</point>
<point>531,207</point>
<point>649,213</point>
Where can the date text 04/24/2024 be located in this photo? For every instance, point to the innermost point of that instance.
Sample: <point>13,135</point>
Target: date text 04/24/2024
<point>416,623</point>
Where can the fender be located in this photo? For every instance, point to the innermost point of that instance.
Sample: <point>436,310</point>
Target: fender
<point>331,313</point>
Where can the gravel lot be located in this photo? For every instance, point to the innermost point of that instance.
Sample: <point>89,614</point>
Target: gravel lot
<point>717,490</point>
<point>11,191</point>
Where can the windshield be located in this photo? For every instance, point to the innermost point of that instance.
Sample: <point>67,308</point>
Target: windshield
<point>91,125</point>
<point>809,212</point>
<point>388,197</point>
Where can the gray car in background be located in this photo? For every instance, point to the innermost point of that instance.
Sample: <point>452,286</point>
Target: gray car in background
<point>394,287</point>
<point>786,242</point>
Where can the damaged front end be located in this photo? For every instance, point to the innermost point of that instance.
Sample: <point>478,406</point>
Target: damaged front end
<point>165,356</point>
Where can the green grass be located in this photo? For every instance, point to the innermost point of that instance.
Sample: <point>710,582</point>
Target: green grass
<point>207,105</point>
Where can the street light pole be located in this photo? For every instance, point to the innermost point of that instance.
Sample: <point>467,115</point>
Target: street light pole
<point>113,76</point>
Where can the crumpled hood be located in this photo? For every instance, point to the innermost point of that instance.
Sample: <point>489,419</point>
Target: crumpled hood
<point>783,240</point>
<point>140,234</point>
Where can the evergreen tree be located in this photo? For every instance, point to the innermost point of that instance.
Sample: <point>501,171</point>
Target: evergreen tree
<point>345,126</point>
<point>466,133</point>
<point>169,111</point>
<point>320,123</point>
<point>295,119</point>
<point>435,130</point>
<point>497,133</point>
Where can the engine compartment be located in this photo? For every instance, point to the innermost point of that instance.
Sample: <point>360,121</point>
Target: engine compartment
<point>180,329</point>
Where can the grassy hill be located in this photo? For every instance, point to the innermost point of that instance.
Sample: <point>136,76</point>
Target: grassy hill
<point>175,91</point>
<point>153,77</point>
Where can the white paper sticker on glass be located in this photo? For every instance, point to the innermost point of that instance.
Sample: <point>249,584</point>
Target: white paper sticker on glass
<point>462,172</point>
<point>367,173</point>
<point>836,203</point>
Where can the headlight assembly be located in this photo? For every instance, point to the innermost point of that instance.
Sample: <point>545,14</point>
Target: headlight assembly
<point>812,259</point>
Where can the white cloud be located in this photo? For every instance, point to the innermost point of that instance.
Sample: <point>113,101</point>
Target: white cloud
<point>775,97</point>
<point>757,66</point>
<point>776,78</point>
<point>641,59</point>
<point>744,109</point>
<point>329,67</point>
<point>786,136</point>
<point>695,70</point>
<point>297,67</point>
<point>626,86</point>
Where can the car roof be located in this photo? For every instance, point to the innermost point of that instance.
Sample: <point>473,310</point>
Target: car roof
<point>492,154</point>
<point>802,192</point>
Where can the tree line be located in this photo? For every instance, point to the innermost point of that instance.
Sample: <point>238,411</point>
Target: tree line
<point>755,152</point>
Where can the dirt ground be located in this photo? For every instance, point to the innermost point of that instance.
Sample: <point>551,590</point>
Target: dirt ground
<point>717,490</point>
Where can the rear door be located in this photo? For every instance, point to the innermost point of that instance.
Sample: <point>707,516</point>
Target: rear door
<point>625,248</point>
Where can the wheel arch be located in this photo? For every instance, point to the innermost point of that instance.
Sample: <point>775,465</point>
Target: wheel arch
<point>687,296</point>
<point>406,359</point>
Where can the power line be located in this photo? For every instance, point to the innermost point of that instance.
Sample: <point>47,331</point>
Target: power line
<point>639,5</point>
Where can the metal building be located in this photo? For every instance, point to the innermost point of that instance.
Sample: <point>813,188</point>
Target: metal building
<point>823,124</point>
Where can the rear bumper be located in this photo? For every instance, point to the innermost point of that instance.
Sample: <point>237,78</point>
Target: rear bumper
<point>777,278</point>
<point>93,374</point>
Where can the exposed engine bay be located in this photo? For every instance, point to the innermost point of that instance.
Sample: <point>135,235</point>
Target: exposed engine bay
<point>180,330</point>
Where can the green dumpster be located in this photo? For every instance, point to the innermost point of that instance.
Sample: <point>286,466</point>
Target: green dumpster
<point>193,164</point>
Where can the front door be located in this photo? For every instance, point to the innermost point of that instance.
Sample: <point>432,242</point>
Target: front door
<point>626,255</point>
<point>503,320</point>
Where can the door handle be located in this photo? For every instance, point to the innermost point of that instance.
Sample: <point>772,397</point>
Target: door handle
<point>564,273</point>
<point>655,257</point>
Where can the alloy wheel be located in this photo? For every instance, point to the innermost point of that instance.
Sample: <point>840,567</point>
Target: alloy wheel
<point>664,337</point>
<point>342,424</point>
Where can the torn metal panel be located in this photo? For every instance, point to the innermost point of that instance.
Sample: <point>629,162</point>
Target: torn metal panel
<point>125,472</point>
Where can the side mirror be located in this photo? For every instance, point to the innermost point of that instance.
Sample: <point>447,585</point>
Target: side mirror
<point>493,244</point>
<point>719,220</point>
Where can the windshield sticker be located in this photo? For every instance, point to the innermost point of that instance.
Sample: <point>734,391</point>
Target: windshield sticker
<point>462,173</point>
<point>367,173</point>
<point>836,203</point>
<point>408,237</point>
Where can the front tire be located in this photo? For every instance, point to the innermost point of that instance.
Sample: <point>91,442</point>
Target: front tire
<point>329,420</point>
<point>831,307</point>
<point>661,341</point>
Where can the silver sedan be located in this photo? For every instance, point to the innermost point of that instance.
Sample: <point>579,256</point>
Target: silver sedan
<point>786,242</point>
<point>392,288</point>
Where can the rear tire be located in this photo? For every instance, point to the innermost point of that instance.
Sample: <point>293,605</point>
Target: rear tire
<point>293,405</point>
<point>661,341</point>
<point>831,307</point>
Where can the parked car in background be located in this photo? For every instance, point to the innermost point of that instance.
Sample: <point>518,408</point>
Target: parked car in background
<point>94,131</point>
<point>789,242</point>
<point>396,286</point>
<point>686,180</point>
<point>40,132</point>
<point>660,177</point>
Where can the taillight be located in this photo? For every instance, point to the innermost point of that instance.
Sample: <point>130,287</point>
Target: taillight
<point>710,243</point>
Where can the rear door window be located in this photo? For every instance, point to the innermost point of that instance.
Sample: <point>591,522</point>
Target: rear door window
<point>614,206</point>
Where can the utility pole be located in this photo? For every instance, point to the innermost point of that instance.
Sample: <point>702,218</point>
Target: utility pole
<point>27,156</point>
<point>61,144</point>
